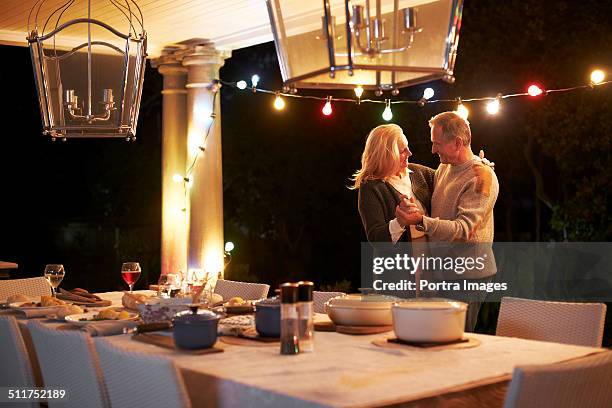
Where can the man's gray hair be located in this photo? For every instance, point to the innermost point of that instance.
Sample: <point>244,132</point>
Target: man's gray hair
<point>452,126</point>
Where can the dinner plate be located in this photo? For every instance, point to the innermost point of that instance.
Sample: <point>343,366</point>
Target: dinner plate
<point>17,306</point>
<point>87,318</point>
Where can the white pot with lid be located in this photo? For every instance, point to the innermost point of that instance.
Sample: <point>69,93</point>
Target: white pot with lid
<point>429,320</point>
<point>360,310</point>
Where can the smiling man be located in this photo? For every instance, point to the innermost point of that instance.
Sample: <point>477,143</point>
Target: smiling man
<point>465,191</point>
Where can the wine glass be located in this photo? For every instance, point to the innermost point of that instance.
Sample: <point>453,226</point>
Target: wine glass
<point>54,273</point>
<point>130,271</point>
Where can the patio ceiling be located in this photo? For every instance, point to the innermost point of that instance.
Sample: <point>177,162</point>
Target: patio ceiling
<point>229,24</point>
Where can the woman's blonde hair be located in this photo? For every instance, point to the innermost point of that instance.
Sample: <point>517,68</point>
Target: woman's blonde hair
<point>380,156</point>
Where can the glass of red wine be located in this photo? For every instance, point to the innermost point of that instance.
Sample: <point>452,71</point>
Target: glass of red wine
<point>130,271</point>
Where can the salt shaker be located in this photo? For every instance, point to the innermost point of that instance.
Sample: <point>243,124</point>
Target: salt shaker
<point>289,331</point>
<point>305,316</point>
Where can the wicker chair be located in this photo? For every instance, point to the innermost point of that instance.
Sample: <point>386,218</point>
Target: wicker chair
<point>30,287</point>
<point>16,367</point>
<point>319,299</point>
<point>250,291</point>
<point>559,322</point>
<point>68,360</point>
<point>584,382</point>
<point>141,380</point>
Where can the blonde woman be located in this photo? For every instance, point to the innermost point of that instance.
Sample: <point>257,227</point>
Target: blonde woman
<point>384,180</point>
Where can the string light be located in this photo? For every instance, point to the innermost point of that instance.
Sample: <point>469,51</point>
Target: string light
<point>493,106</point>
<point>254,80</point>
<point>327,108</point>
<point>387,114</point>
<point>177,178</point>
<point>279,102</point>
<point>358,91</point>
<point>241,85</point>
<point>534,90</point>
<point>597,77</point>
<point>229,246</point>
<point>428,93</point>
<point>462,110</point>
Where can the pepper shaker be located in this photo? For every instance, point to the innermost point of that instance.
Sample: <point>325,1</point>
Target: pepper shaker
<point>289,319</point>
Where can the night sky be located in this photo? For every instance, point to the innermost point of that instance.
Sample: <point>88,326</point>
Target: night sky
<point>92,204</point>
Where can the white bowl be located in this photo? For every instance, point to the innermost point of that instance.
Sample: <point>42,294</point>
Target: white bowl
<point>360,310</point>
<point>429,321</point>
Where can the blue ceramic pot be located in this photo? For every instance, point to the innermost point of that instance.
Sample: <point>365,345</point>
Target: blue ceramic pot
<point>195,330</point>
<point>267,317</point>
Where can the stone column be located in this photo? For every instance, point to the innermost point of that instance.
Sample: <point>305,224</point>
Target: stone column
<point>174,161</point>
<point>205,247</point>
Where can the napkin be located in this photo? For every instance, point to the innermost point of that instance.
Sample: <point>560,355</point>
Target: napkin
<point>38,312</point>
<point>107,328</point>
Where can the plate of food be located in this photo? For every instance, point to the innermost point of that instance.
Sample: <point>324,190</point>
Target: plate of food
<point>103,316</point>
<point>60,313</point>
<point>238,305</point>
<point>46,302</point>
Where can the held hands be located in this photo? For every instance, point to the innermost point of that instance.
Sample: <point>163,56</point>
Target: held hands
<point>407,212</point>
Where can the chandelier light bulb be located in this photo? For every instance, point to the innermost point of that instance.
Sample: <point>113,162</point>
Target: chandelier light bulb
<point>358,91</point>
<point>327,108</point>
<point>241,84</point>
<point>534,90</point>
<point>387,114</point>
<point>597,76</point>
<point>428,93</point>
<point>254,80</point>
<point>493,107</point>
<point>279,103</point>
<point>462,111</point>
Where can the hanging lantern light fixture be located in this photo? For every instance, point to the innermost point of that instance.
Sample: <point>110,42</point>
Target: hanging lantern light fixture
<point>90,86</point>
<point>381,45</point>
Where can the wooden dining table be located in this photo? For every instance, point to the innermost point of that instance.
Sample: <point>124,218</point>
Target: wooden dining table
<point>353,370</point>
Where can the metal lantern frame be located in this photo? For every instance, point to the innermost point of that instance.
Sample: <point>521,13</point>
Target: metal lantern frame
<point>354,45</point>
<point>62,116</point>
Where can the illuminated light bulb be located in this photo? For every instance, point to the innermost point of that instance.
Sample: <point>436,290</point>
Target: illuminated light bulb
<point>327,108</point>
<point>241,84</point>
<point>597,76</point>
<point>387,114</point>
<point>279,103</point>
<point>229,246</point>
<point>534,90</point>
<point>428,93</point>
<point>358,91</point>
<point>254,80</point>
<point>493,107</point>
<point>177,178</point>
<point>462,111</point>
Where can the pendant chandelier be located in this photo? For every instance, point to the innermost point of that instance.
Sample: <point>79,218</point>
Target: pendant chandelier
<point>89,73</point>
<point>376,44</point>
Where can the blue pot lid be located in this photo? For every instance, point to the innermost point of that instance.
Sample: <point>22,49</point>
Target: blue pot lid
<point>188,317</point>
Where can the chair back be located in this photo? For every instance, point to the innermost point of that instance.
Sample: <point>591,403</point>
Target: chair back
<point>319,298</point>
<point>16,367</point>
<point>136,379</point>
<point>560,322</point>
<point>29,286</point>
<point>68,360</point>
<point>246,290</point>
<point>583,382</point>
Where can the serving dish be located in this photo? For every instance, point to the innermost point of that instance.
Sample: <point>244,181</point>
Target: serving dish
<point>429,320</point>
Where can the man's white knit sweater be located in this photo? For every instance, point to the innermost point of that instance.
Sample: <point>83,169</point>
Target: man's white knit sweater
<point>462,206</point>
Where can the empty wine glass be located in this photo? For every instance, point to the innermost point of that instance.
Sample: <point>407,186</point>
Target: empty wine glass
<point>54,273</point>
<point>130,271</point>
